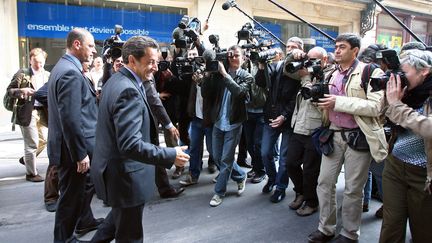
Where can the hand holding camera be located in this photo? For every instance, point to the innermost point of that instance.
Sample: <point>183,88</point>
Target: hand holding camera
<point>394,90</point>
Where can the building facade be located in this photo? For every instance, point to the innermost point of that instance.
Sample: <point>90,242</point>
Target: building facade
<point>45,23</point>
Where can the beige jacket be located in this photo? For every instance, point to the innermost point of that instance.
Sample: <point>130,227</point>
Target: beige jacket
<point>366,109</point>
<point>406,117</point>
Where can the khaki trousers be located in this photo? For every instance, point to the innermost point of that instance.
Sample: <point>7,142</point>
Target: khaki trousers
<point>404,199</point>
<point>356,165</point>
<point>35,139</point>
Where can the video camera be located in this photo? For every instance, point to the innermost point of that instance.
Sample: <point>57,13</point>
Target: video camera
<point>187,32</point>
<point>112,47</point>
<point>312,65</point>
<point>388,57</point>
<point>188,66</point>
<point>247,32</point>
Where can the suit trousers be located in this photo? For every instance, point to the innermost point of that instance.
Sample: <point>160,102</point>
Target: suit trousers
<point>404,199</point>
<point>73,208</point>
<point>35,139</point>
<point>51,190</point>
<point>356,165</point>
<point>122,224</point>
<point>302,151</point>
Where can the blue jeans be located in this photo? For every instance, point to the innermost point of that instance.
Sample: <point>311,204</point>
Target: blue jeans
<point>197,132</point>
<point>377,171</point>
<point>270,136</point>
<point>367,191</point>
<point>253,129</point>
<point>223,145</point>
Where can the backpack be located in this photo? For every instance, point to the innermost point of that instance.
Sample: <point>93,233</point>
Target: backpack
<point>20,80</point>
<point>9,102</point>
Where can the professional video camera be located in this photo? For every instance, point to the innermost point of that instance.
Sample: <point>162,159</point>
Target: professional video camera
<point>188,66</point>
<point>247,32</point>
<point>188,30</point>
<point>388,57</point>
<point>164,65</point>
<point>112,47</point>
<point>212,59</point>
<point>312,65</point>
<point>315,92</point>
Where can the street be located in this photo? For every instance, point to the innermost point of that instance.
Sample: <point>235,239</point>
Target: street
<point>250,217</point>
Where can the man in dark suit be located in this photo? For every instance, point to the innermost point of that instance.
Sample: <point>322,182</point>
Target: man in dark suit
<point>125,138</point>
<point>72,121</point>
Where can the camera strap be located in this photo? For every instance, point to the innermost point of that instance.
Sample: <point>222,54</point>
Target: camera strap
<point>350,70</point>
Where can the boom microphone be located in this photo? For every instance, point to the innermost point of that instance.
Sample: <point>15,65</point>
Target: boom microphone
<point>228,4</point>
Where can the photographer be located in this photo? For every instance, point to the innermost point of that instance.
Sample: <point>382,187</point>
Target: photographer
<point>278,108</point>
<point>357,137</point>
<point>306,118</point>
<point>410,162</point>
<point>28,113</point>
<point>228,90</point>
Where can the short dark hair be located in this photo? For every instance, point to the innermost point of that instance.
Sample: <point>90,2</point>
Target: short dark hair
<point>76,34</point>
<point>136,46</point>
<point>353,39</point>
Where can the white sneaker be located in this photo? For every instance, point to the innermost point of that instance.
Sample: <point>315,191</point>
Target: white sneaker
<point>241,186</point>
<point>215,201</point>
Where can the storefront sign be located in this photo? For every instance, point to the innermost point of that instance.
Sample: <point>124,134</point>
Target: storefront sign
<point>43,20</point>
<point>323,41</point>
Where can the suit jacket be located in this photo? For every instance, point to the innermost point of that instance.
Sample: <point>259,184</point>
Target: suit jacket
<point>72,112</point>
<point>125,138</point>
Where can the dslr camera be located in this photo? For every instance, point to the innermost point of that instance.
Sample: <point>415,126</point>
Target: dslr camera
<point>112,47</point>
<point>390,58</point>
<point>314,68</point>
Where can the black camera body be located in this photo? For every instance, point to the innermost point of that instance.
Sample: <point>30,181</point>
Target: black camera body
<point>313,66</point>
<point>112,47</point>
<point>390,58</point>
<point>247,32</point>
<point>315,92</point>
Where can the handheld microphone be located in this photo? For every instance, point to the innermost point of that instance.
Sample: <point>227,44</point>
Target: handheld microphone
<point>228,4</point>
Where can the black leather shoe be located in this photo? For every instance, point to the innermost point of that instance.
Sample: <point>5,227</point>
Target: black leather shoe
<point>319,237</point>
<point>211,168</point>
<point>268,187</point>
<point>343,239</point>
<point>94,225</point>
<point>277,196</point>
<point>51,206</point>
<point>173,192</point>
<point>258,178</point>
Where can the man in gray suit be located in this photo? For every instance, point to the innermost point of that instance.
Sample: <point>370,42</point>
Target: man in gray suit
<point>126,135</point>
<point>72,118</point>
